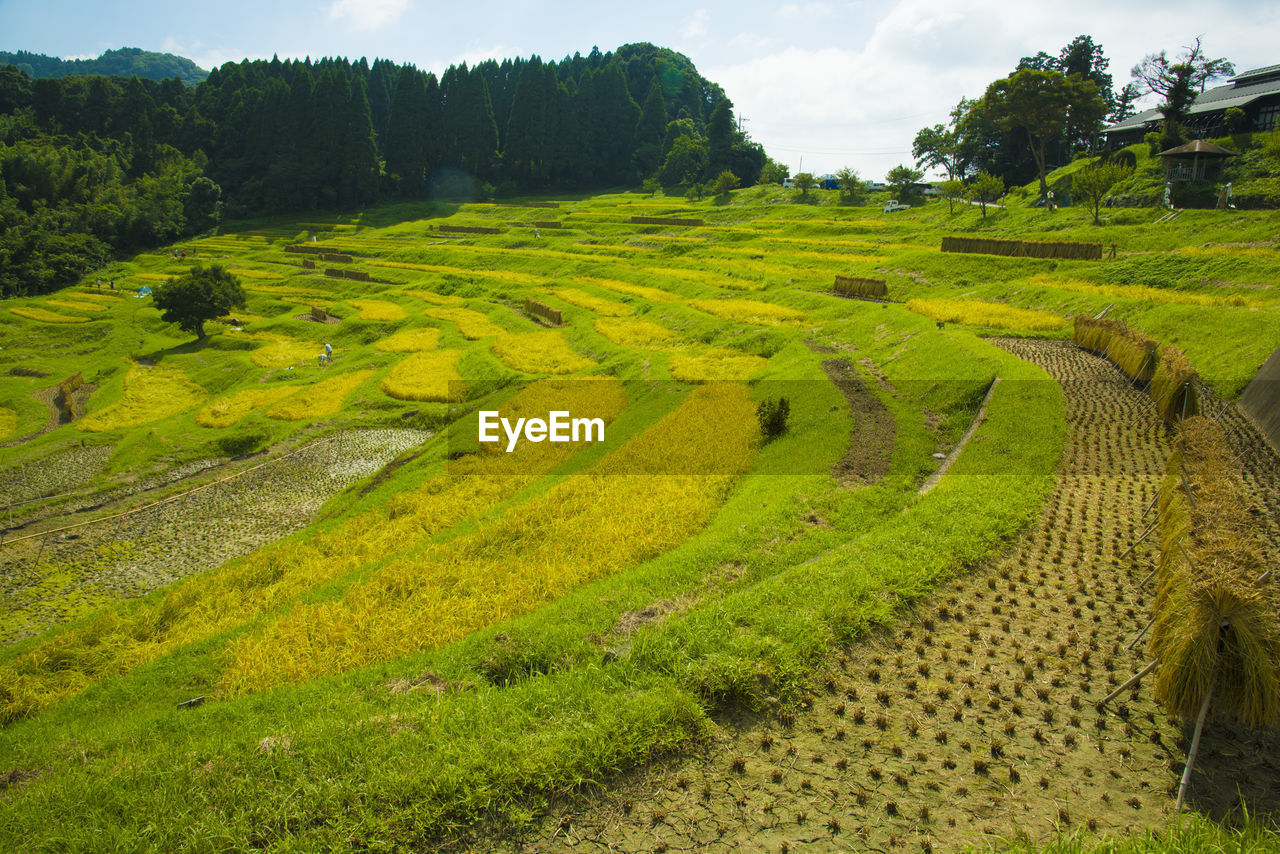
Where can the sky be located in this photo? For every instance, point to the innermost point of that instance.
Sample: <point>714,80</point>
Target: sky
<point>821,85</point>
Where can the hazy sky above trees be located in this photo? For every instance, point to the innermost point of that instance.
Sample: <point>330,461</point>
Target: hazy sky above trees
<point>834,83</point>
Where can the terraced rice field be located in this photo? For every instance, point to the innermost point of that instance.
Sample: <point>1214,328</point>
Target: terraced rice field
<point>684,636</point>
<point>53,579</point>
<point>978,721</point>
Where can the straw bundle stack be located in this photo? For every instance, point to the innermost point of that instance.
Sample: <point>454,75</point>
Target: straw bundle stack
<point>855,286</point>
<point>1173,387</point>
<point>1215,627</point>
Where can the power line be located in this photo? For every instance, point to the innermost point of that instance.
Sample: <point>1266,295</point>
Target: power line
<point>827,152</point>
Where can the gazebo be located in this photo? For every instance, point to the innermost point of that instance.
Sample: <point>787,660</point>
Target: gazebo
<point>1195,160</point>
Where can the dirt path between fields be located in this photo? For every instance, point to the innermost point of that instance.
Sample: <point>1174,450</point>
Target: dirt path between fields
<point>871,440</point>
<point>976,719</point>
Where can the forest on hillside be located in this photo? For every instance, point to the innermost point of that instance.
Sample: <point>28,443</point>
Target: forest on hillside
<point>96,165</point>
<point>122,62</point>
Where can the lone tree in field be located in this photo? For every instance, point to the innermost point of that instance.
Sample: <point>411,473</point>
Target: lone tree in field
<point>986,188</point>
<point>1096,181</point>
<point>1044,104</point>
<point>805,182</point>
<point>852,189</point>
<point>902,180</point>
<point>951,190</point>
<point>200,294</point>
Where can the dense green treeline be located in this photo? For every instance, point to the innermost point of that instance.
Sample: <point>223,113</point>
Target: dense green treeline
<point>97,165</point>
<point>297,135</point>
<point>68,204</point>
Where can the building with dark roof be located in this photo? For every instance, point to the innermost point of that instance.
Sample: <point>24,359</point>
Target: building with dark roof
<point>1256,92</point>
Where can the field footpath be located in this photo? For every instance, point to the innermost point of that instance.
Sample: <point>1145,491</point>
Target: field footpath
<point>975,721</point>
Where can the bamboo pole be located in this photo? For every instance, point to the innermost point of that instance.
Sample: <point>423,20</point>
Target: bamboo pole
<point>1145,629</point>
<point>1195,745</point>
<point>1138,542</point>
<point>1132,680</point>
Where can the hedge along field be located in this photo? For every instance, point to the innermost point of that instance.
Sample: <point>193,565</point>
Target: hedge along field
<point>544,710</point>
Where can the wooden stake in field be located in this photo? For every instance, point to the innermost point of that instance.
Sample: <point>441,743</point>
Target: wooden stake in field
<point>1195,746</point>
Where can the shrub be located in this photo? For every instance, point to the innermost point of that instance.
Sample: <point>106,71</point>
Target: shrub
<point>724,182</point>
<point>1153,143</point>
<point>240,444</point>
<point>772,415</point>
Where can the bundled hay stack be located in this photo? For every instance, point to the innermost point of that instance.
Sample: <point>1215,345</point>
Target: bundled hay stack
<point>855,286</point>
<point>1134,353</point>
<point>1169,376</point>
<point>1215,633</point>
<point>1173,387</point>
<point>1097,334</point>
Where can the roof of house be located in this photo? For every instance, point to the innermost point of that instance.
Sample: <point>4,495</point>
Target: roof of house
<point>1243,89</point>
<point>1199,146</point>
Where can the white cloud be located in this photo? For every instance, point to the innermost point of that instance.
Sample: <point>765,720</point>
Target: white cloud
<point>857,96</point>
<point>695,26</point>
<point>367,15</point>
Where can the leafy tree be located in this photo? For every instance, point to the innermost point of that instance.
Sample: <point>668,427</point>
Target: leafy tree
<point>901,179</point>
<point>1044,104</point>
<point>938,147</point>
<point>202,206</point>
<point>986,188</point>
<point>199,295</point>
<point>951,190</point>
<point>1235,119</point>
<point>685,162</point>
<point>806,182</point>
<point>852,189</point>
<point>773,172</point>
<point>1178,80</point>
<point>1096,181</point>
<point>724,183</point>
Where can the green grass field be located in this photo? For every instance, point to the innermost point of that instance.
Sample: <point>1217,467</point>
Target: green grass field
<point>441,647</point>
